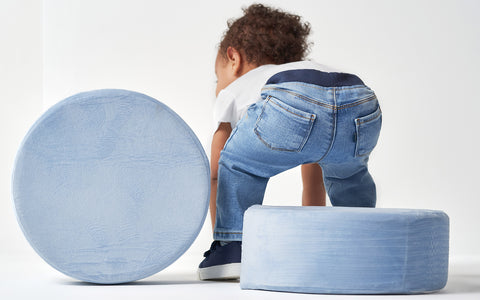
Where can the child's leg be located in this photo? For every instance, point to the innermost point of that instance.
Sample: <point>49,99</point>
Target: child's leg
<point>313,187</point>
<point>237,191</point>
<point>247,162</point>
<point>350,184</point>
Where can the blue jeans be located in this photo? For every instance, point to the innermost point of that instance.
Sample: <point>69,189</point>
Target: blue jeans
<point>306,116</point>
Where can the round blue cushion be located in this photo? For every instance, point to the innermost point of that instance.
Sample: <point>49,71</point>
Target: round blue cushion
<point>344,250</point>
<point>110,186</point>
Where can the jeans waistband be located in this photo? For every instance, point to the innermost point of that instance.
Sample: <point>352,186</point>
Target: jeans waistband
<point>316,77</point>
<point>332,98</point>
<point>331,90</point>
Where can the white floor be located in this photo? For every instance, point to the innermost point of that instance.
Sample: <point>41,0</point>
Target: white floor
<point>32,278</point>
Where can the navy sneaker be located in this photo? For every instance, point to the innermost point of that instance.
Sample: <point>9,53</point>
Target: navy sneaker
<point>221,262</point>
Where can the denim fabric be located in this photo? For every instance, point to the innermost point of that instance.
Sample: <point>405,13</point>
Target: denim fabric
<point>321,120</point>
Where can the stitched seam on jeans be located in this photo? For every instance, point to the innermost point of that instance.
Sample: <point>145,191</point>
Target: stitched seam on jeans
<point>308,99</point>
<point>303,117</point>
<point>326,88</point>
<point>301,97</point>
<point>268,99</point>
<point>311,100</point>
<point>218,232</point>
<point>261,113</point>
<point>376,116</point>
<point>334,129</point>
<point>361,101</point>
<point>307,135</point>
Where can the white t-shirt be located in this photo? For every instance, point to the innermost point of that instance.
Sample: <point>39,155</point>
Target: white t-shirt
<point>233,101</point>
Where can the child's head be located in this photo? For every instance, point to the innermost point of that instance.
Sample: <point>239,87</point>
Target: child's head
<point>263,35</point>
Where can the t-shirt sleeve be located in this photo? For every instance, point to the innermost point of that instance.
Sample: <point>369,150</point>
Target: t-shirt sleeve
<point>224,109</point>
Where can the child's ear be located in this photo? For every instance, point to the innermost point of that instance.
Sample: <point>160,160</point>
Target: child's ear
<point>235,60</point>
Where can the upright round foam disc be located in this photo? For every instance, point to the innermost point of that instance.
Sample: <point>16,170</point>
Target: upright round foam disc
<point>344,250</point>
<point>110,186</point>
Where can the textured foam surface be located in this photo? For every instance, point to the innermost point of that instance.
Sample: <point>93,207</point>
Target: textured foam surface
<point>110,186</point>
<point>344,250</point>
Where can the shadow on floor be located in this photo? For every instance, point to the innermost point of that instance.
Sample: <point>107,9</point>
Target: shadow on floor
<point>462,284</point>
<point>457,284</point>
<point>165,279</point>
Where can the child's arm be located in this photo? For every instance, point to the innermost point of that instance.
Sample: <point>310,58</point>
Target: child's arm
<point>313,187</point>
<point>220,137</point>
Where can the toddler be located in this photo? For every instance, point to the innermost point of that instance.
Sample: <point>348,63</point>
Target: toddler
<point>284,112</point>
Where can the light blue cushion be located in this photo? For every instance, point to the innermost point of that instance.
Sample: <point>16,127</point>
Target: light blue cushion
<point>110,186</point>
<point>344,250</point>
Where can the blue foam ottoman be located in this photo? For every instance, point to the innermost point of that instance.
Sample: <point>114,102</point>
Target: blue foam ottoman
<point>344,250</point>
<point>110,186</point>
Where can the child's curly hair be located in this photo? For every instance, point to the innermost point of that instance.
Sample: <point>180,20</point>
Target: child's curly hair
<point>267,36</point>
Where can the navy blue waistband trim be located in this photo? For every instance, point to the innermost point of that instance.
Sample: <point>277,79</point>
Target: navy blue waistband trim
<point>316,77</point>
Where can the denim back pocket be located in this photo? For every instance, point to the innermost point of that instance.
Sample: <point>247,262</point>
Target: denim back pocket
<point>368,131</point>
<point>283,127</point>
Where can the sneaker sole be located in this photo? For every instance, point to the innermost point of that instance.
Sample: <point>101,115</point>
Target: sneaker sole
<point>220,272</point>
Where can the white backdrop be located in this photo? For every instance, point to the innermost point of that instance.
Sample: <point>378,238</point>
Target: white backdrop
<point>21,104</point>
<point>419,56</point>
